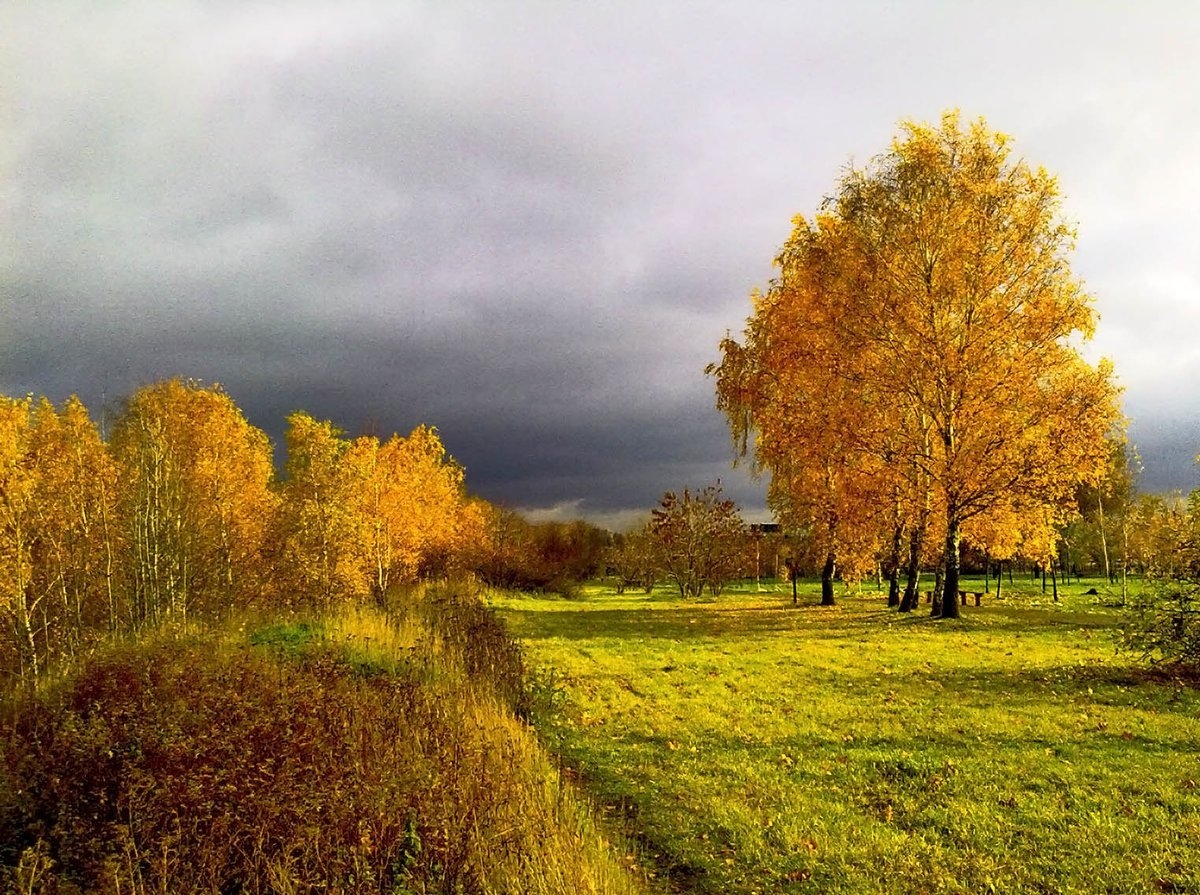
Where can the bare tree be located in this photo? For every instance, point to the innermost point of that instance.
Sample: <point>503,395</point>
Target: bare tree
<point>699,538</point>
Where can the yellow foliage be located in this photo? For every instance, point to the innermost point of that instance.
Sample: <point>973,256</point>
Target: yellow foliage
<point>195,479</point>
<point>179,518</point>
<point>360,515</point>
<point>57,537</point>
<point>317,525</point>
<point>17,484</point>
<point>919,349</point>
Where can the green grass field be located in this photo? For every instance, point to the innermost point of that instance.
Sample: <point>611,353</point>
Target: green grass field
<point>754,747</point>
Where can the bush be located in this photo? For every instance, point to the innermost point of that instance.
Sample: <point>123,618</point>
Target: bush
<point>1164,622</point>
<point>478,640</point>
<point>357,756</point>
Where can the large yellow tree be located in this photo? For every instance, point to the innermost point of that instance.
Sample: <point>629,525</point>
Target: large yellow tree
<point>942,278</point>
<point>405,496</point>
<point>358,515</point>
<point>19,603</point>
<point>74,510</point>
<point>57,533</point>
<point>318,535</point>
<point>791,385</point>
<point>196,500</point>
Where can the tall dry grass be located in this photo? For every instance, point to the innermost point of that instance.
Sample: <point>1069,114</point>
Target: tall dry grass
<point>357,753</point>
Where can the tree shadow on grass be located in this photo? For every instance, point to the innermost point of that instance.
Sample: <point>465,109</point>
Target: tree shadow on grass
<point>709,620</point>
<point>681,623</point>
<point>1027,618</point>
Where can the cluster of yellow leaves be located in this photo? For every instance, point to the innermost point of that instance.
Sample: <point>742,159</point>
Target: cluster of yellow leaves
<point>57,501</point>
<point>359,514</point>
<point>197,491</point>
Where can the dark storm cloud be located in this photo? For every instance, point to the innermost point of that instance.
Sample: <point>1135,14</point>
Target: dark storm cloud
<point>528,224</point>
<point>532,427</point>
<point>380,233</point>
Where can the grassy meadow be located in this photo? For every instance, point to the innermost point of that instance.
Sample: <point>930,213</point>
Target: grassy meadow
<point>755,747</point>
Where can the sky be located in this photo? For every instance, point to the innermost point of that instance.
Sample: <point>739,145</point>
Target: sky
<point>531,223</point>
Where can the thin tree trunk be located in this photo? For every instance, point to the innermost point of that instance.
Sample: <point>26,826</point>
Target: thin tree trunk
<point>22,609</point>
<point>953,568</point>
<point>1103,537</point>
<point>1124,557</point>
<point>939,587</point>
<point>894,566</point>
<point>827,573</point>
<point>113,615</point>
<point>912,593</point>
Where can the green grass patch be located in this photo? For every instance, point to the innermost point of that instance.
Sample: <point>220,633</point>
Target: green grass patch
<point>759,747</point>
<point>289,637</point>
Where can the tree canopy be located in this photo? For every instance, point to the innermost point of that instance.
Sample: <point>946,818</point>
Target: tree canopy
<point>916,363</point>
<point>698,537</point>
<point>179,518</point>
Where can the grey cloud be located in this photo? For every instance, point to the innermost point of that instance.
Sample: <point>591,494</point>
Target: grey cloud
<point>529,224</point>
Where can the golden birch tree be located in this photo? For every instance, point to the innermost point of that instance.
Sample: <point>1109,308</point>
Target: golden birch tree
<point>943,273</point>
<point>320,559</point>
<point>58,538</point>
<point>798,400</point>
<point>358,515</point>
<point>19,602</point>
<point>75,517</point>
<point>406,497</point>
<point>196,500</point>
<point>424,487</point>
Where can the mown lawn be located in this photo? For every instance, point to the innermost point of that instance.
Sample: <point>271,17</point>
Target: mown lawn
<point>757,747</point>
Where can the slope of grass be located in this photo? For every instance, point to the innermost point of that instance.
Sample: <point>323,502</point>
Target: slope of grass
<point>349,754</point>
<point>758,747</point>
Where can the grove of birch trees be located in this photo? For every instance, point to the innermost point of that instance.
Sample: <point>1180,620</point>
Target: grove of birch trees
<point>177,515</point>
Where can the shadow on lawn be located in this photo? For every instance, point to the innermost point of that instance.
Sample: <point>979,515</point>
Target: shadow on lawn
<point>702,621</point>
<point>933,745</point>
<point>681,623</point>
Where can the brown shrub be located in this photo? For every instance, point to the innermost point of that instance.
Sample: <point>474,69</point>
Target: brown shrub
<point>188,767</point>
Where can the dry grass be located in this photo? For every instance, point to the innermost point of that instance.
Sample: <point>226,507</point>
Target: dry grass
<point>352,754</point>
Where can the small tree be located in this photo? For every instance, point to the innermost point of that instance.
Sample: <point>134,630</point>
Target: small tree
<point>699,538</point>
<point>633,560</point>
<point>195,500</point>
<point>1164,618</point>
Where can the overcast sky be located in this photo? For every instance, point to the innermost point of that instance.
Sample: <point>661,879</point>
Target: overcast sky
<point>530,223</point>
